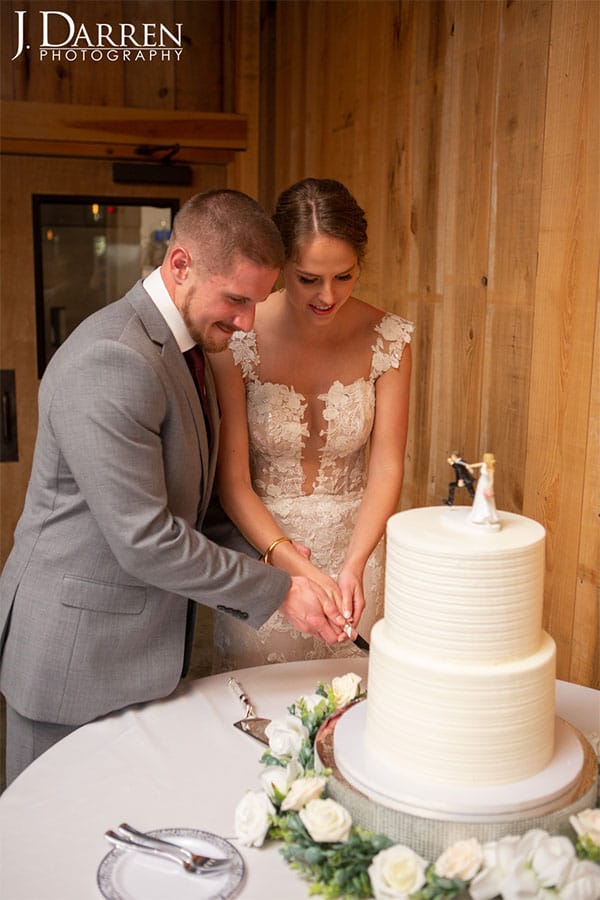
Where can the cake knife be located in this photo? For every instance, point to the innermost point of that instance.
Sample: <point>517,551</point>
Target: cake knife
<point>251,724</point>
<point>361,643</point>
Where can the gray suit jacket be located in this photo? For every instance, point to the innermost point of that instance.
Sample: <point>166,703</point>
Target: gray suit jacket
<point>109,545</point>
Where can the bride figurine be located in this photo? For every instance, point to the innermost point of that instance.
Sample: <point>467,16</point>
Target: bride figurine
<point>483,511</point>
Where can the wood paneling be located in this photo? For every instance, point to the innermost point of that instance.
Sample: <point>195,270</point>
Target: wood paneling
<point>469,131</point>
<point>563,453</point>
<point>244,174</point>
<point>97,125</point>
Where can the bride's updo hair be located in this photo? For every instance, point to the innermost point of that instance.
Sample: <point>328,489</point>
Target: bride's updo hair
<point>316,206</point>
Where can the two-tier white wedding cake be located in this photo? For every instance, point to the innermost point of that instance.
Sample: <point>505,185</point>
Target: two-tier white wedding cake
<point>458,736</point>
<point>461,674</point>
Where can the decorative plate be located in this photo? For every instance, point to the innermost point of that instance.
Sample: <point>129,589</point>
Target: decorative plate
<point>126,875</point>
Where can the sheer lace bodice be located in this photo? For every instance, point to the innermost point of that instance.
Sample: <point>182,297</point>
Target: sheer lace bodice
<point>318,511</point>
<point>278,428</point>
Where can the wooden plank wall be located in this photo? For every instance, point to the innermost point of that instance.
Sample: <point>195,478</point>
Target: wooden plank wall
<point>469,131</point>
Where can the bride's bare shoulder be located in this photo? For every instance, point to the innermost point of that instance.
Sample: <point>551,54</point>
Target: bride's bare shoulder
<point>365,316</point>
<point>270,306</point>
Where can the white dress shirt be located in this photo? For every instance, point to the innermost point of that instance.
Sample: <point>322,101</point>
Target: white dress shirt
<point>155,286</point>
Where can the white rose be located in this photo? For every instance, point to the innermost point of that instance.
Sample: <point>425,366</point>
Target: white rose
<point>583,882</point>
<point>396,872</point>
<point>521,884</point>
<point>499,859</point>
<point>286,736</point>
<point>345,688</point>
<point>552,860</point>
<point>517,868</point>
<point>280,777</point>
<point>587,823</point>
<point>302,792</point>
<point>311,701</point>
<point>462,860</point>
<point>252,818</point>
<point>326,820</point>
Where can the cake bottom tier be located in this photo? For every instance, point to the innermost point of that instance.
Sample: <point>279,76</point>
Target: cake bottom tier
<point>460,724</point>
<point>429,833</point>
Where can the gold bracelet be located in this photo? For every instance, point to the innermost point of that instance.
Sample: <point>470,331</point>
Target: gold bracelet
<point>266,557</point>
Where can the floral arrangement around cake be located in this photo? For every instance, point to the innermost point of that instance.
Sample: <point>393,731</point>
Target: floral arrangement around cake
<point>345,861</point>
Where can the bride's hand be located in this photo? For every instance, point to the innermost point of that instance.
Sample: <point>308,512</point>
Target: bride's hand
<point>353,599</point>
<point>301,549</point>
<point>333,591</point>
<point>330,587</point>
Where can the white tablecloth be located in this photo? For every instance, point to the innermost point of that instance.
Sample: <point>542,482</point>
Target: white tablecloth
<point>173,763</point>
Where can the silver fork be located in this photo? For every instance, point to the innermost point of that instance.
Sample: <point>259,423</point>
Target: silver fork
<point>127,838</point>
<point>131,833</point>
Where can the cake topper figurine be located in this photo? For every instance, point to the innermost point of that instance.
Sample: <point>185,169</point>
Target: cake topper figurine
<point>483,511</point>
<point>463,477</point>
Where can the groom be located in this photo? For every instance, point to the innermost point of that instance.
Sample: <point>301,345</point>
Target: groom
<point>118,531</point>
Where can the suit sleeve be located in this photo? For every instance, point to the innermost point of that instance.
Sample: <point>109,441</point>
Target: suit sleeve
<point>108,412</point>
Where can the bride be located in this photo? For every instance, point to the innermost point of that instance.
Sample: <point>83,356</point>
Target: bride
<point>314,406</point>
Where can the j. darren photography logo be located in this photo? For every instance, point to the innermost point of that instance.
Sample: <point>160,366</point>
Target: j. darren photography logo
<point>64,39</point>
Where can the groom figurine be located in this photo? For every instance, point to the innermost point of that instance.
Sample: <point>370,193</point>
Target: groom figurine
<point>464,477</point>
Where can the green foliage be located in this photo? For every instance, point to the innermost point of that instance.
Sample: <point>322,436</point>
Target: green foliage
<point>586,849</point>
<point>340,870</point>
<point>267,759</point>
<point>336,869</point>
<point>306,757</point>
<point>312,719</point>
<point>437,888</point>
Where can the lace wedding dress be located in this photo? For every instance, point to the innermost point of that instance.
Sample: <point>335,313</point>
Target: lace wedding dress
<point>322,518</point>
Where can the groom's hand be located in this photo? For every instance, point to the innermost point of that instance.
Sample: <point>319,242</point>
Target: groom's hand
<point>310,609</point>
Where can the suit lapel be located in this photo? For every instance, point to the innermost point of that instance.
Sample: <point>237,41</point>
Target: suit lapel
<point>175,362</point>
<point>213,406</point>
<point>160,333</point>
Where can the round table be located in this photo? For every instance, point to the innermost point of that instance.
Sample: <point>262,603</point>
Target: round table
<point>173,763</point>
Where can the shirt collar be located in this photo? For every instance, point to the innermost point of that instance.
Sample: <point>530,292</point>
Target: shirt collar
<point>154,286</point>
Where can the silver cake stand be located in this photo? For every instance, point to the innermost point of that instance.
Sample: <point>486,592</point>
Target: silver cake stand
<point>430,817</point>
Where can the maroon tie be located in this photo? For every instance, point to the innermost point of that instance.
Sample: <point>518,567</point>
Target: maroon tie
<point>197,366</point>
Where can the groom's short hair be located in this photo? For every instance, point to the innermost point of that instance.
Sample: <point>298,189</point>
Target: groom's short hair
<point>218,227</point>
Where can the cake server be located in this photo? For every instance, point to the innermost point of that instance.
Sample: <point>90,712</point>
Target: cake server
<point>251,724</point>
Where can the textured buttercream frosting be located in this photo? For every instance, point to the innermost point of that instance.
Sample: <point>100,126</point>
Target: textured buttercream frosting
<point>461,675</point>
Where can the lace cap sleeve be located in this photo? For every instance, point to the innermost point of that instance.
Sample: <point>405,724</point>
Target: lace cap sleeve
<point>245,353</point>
<point>393,333</point>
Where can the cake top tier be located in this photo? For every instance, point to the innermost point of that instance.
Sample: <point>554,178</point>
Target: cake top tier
<point>457,591</point>
<point>446,531</point>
